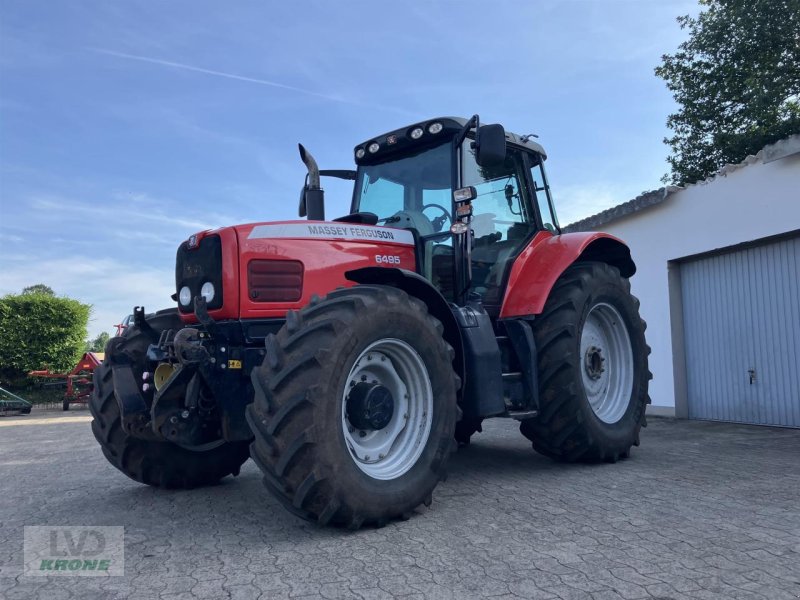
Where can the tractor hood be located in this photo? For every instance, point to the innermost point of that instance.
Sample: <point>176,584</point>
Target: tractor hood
<point>263,270</point>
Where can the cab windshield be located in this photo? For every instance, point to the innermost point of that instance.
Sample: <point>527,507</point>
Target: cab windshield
<point>411,192</point>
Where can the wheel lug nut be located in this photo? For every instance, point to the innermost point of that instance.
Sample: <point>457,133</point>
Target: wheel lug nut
<point>185,414</point>
<point>363,378</point>
<point>381,456</point>
<point>362,434</point>
<point>366,457</point>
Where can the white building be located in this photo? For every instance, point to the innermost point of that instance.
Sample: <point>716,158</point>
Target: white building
<point>718,276</point>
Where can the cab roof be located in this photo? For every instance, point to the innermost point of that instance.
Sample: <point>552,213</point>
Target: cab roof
<point>400,139</point>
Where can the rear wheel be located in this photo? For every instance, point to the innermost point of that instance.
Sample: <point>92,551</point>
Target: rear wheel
<point>593,374</point>
<point>355,407</point>
<point>156,463</point>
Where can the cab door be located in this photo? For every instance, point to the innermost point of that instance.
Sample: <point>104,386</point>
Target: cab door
<point>504,219</point>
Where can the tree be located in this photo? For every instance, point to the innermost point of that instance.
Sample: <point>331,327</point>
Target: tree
<point>98,344</point>
<point>38,331</point>
<point>38,288</point>
<point>737,81</point>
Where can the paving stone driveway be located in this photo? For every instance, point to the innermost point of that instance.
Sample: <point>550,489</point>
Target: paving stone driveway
<point>701,510</point>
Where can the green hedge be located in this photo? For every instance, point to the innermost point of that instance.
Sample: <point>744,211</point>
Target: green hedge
<point>38,331</point>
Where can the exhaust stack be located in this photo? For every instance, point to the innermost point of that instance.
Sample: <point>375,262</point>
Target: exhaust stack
<point>312,201</point>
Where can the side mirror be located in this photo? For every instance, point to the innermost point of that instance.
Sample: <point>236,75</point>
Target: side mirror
<point>490,145</point>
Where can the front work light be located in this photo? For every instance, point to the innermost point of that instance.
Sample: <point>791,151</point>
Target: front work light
<point>207,291</point>
<point>435,127</point>
<point>373,147</point>
<point>416,133</point>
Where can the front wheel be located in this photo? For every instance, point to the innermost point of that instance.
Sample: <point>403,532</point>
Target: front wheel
<point>593,374</point>
<point>156,463</point>
<point>355,408</point>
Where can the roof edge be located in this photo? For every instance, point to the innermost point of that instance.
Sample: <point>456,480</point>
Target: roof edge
<point>771,152</point>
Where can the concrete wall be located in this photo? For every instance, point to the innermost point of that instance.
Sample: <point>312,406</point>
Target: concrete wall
<point>754,201</point>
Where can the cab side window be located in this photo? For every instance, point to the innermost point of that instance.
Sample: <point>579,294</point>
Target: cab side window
<point>500,209</point>
<point>541,192</point>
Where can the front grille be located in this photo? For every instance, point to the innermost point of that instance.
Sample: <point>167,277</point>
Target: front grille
<point>275,280</point>
<point>196,266</point>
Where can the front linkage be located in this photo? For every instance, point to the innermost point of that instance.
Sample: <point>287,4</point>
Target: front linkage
<point>196,381</point>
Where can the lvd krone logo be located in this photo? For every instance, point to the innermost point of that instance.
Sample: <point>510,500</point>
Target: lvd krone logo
<point>79,550</point>
<point>90,543</point>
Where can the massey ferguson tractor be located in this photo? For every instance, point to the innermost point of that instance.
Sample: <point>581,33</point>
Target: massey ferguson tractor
<point>350,357</point>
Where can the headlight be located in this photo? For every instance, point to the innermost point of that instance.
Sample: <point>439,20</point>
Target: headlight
<point>207,291</point>
<point>185,295</point>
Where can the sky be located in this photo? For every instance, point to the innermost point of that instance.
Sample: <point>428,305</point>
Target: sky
<point>126,126</point>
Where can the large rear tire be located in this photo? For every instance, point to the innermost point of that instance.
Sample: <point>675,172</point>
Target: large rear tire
<point>593,374</point>
<point>160,464</point>
<point>318,454</point>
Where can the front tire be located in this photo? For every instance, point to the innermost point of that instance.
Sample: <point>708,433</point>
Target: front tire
<point>593,373</point>
<point>156,463</point>
<point>315,447</point>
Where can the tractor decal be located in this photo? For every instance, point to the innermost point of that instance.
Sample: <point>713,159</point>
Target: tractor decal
<point>332,231</point>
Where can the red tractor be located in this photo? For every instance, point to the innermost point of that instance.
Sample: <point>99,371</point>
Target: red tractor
<point>349,357</point>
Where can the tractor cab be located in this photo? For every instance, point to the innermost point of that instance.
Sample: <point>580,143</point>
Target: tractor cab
<point>503,200</point>
<point>467,240</point>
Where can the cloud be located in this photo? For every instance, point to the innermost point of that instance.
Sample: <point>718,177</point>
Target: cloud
<point>134,207</point>
<point>111,286</point>
<point>259,81</point>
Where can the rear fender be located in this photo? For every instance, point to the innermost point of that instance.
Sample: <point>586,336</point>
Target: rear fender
<point>541,263</point>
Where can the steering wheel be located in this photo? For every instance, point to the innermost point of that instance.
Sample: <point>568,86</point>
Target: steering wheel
<point>439,221</point>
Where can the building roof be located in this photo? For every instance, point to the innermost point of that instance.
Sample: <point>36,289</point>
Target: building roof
<point>771,152</point>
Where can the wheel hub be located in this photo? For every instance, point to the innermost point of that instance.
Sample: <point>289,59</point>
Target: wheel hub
<point>370,406</point>
<point>593,361</point>
<point>608,364</point>
<point>387,408</point>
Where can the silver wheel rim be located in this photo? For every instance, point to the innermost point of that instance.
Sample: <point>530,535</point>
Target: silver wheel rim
<point>390,452</point>
<point>606,363</point>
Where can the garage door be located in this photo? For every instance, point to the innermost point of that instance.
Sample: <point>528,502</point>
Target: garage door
<point>741,317</point>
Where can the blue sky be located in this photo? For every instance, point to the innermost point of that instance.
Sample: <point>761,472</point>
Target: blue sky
<point>125,126</point>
